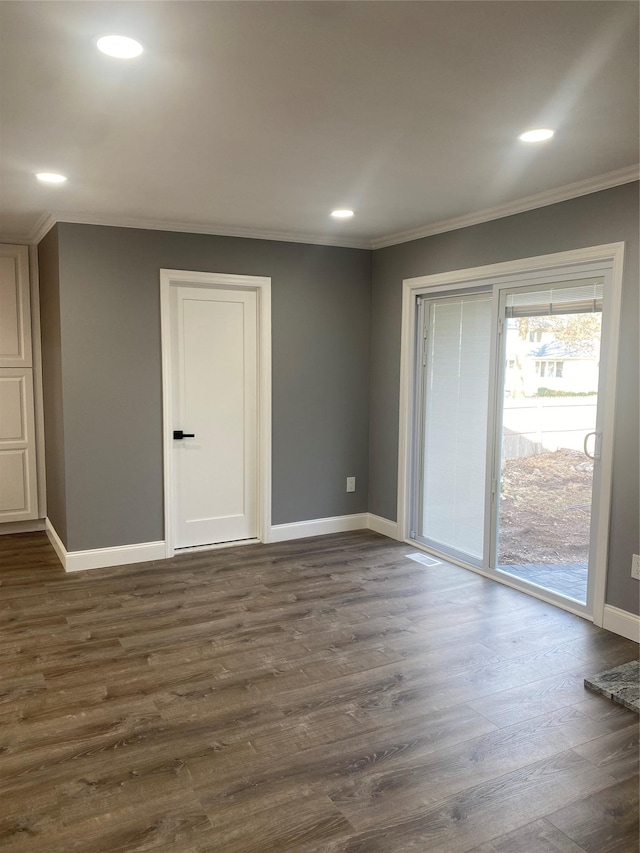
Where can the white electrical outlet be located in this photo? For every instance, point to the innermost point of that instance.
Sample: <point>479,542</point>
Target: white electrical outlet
<point>635,567</point>
<point>351,484</point>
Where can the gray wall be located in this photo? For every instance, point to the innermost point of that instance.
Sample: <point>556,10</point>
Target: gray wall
<point>48,265</point>
<point>605,217</point>
<point>111,374</point>
<point>336,326</point>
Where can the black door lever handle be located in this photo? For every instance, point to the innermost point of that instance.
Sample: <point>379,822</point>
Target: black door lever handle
<point>178,434</point>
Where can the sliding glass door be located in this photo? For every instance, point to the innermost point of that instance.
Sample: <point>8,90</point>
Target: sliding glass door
<point>452,400</point>
<point>507,428</point>
<point>549,435</point>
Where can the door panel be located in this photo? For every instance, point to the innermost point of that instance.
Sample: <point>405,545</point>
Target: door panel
<point>214,370</point>
<point>15,316</point>
<point>548,411</point>
<point>454,387</point>
<point>18,497</point>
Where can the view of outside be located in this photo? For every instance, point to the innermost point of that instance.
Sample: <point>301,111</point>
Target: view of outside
<point>550,401</point>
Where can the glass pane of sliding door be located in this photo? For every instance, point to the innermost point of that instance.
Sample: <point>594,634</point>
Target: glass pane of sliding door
<point>549,440</point>
<point>452,392</point>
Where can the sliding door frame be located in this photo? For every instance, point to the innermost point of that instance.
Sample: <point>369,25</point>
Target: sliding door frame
<point>530,285</point>
<point>497,277</point>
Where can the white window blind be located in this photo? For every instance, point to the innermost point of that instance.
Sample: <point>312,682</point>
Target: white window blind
<point>456,386</point>
<point>568,298</point>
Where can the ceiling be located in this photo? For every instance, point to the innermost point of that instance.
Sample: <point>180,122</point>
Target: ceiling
<point>259,118</point>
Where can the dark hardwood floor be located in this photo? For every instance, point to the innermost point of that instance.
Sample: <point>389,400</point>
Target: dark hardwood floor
<point>322,695</point>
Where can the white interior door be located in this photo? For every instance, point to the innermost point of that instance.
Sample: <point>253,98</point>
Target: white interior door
<point>214,379</point>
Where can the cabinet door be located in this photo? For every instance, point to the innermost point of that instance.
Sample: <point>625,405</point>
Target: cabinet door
<point>15,313</point>
<point>18,491</point>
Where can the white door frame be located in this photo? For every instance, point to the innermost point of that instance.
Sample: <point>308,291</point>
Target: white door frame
<point>262,288</point>
<point>612,256</point>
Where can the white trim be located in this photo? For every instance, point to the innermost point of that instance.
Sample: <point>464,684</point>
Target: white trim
<point>123,555</point>
<point>383,526</point>
<point>48,219</point>
<point>522,205</point>
<point>621,622</point>
<point>38,390</point>
<point>102,558</point>
<point>262,287</point>
<point>57,543</point>
<point>483,275</point>
<point>606,181</point>
<point>9,527</point>
<point>319,527</point>
<point>499,275</point>
<point>75,561</point>
<point>42,227</point>
<point>607,404</point>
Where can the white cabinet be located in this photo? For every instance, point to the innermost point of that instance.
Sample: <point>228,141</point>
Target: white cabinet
<point>18,486</point>
<point>15,313</point>
<point>18,478</point>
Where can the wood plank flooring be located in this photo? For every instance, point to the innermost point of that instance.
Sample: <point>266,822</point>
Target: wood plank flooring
<point>315,696</point>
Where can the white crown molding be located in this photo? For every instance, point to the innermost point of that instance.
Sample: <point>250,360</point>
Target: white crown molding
<point>44,224</point>
<point>49,219</point>
<point>543,199</point>
<point>554,196</point>
<point>42,227</point>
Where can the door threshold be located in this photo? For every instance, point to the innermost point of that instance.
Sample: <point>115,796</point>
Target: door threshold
<point>214,546</point>
<point>490,575</point>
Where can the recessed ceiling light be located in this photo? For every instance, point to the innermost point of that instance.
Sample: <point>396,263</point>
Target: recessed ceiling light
<point>342,214</point>
<point>538,135</point>
<point>121,47</point>
<point>50,178</point>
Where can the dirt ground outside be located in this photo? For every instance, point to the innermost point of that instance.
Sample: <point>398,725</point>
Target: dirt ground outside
<point>545,508</point>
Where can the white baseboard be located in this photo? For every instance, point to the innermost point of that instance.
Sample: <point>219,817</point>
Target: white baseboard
<point>9,527</point>
<point>318,527</point>
<point>102,558</point>
<point>384,526</point>
<point>122,555</point>
<point>621,622</point>
<point>334,524</point>
<point>618,621</point>
<point>55,540</point>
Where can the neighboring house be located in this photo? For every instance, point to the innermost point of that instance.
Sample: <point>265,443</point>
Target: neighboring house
<point>534,422</point>
<point>564,366</point>
<point>561,366</point>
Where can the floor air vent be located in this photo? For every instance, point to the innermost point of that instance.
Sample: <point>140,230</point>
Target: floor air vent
<point>425,559</point>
